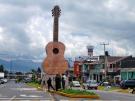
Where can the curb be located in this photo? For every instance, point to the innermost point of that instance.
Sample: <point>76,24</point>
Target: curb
<point>40,88</point>
<point>75,96</point>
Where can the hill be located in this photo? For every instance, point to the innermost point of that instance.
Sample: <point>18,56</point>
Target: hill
<point>20,65</point>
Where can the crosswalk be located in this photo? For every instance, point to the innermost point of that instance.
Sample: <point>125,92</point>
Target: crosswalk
<point>12,85</point>
<point>21,92</point>
<point>25,98</point>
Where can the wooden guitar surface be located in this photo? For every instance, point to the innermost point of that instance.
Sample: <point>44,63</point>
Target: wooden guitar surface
<point>55,62</point>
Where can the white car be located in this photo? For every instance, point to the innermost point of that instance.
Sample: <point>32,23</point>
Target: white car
<point>76,84</point>
<point>4,80</point>
<point>91,84</point>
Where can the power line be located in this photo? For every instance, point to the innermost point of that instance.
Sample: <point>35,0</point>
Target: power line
<point>104,44</point>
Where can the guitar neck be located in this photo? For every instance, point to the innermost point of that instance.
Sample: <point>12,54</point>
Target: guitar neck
<point>55,29</point>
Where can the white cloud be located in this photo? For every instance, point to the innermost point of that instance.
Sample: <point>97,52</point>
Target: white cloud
<point>116,5</point>
<point>28,26</point>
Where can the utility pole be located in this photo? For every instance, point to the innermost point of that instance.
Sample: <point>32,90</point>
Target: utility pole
<point>105,58</point>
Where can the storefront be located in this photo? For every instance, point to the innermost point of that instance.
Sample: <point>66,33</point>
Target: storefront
<point>127,73</point>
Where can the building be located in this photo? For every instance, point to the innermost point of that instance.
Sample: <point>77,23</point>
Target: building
<point>115,66</point>
<point>118,67</point>
<point>128,68</point>
<point>83,67</point>
<point>99,68</point>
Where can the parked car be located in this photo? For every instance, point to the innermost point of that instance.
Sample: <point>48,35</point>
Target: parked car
<point>4,80</point>
<point>90,84</point>
<point>105,84</point>
<point>127,84</point>
<point>1,81</point>
<point>75,84</point>
<point>27,80</point>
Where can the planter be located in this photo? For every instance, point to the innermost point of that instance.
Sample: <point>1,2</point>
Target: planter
<point>75,95</point>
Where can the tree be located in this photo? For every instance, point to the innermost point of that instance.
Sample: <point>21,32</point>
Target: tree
<point>19,73</point>
<point>33,71</point>
<point>1,68</point>
<point>39,74</point>
<point>19,76</point>
<point>36,75</point>
<point>38,70</point>
<point>33,75</point>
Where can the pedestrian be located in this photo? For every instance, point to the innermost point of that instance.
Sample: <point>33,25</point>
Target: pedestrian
<point>44,85</point>
<point>57,82</point>
<point>49,83</point>
<point>63,80</point>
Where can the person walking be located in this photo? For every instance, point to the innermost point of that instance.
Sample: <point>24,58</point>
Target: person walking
<point>57,82</point>
<point>44,85</point>
<point>63,80</point>
<point>49,83</point>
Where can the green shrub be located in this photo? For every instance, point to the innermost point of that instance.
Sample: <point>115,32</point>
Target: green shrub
<point>34,84</point>
<point>82,92</point>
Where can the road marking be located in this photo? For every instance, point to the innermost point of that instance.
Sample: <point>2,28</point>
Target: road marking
<point>26,99</point>
<point>12,98</point>
<point>29,89</point>
<point>53,99</point>
<point>23,95</point>
<point>33,96</point>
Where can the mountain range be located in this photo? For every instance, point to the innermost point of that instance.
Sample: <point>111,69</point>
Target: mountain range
<point>25,65</point>
<point>19,65</point>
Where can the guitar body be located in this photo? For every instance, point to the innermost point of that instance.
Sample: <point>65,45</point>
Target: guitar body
<point>55,62</point>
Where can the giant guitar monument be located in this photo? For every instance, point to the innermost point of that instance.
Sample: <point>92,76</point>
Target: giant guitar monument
<point>55,62</point>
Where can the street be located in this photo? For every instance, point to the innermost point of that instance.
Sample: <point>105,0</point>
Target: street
<point>106,95</point>
<point>110,96</point>
<point>19,91</point>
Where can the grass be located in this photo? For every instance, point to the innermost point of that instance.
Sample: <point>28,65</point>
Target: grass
<point>109,89</point>
<point>78,92</point>
<point>101,87</point>
<point>124,90</point>
<point>34,84</point>
<point>116,89</point>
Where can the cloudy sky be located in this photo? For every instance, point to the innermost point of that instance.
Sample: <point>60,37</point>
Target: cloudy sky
<point>26,26</point>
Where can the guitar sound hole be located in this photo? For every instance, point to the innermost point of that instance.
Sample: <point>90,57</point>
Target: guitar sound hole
<point>55,51</point>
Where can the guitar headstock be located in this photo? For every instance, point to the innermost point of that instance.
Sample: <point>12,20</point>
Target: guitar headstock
<point>56,11</point>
